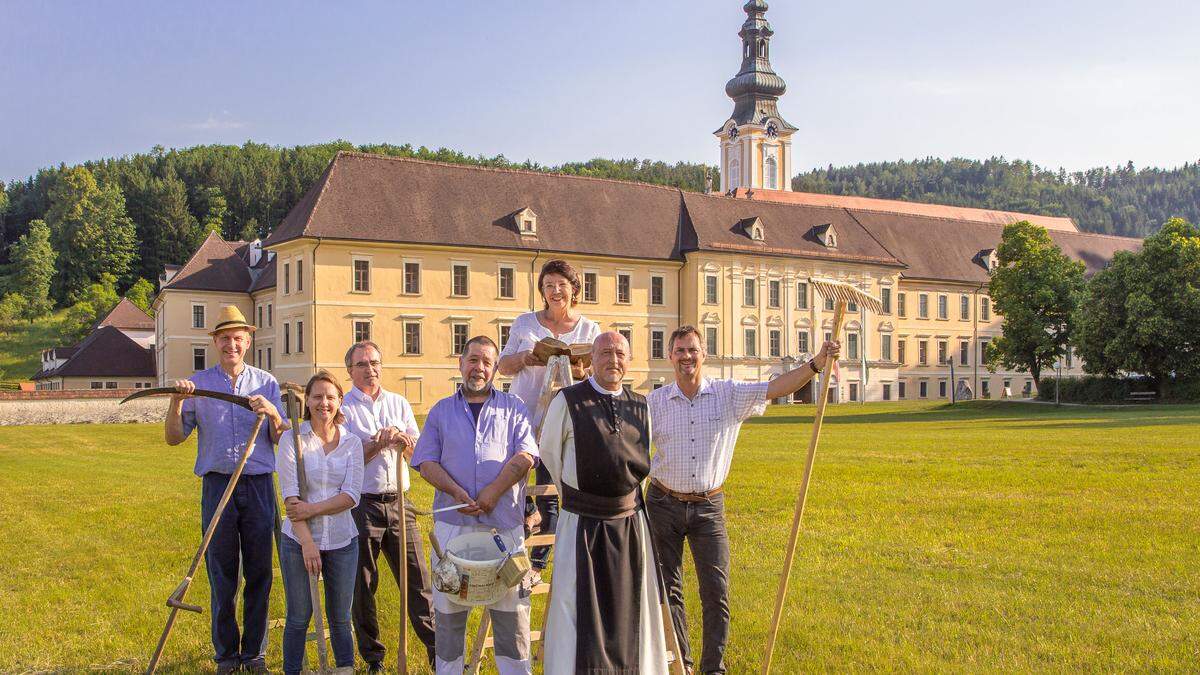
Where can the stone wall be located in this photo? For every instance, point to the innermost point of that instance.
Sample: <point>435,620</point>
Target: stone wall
<point>78,407</point>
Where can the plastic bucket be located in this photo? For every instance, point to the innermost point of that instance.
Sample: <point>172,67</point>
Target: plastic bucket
<point>478,560</point>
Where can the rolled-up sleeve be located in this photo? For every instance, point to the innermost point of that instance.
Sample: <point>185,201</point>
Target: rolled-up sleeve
<point>410,420</point>
<point>429,444</point>
<point>749,398</point>
<point>273,394</point>
<point>189,416</point>
<point>285,464</point>
<point>352,483</point>
<point>523,439</point>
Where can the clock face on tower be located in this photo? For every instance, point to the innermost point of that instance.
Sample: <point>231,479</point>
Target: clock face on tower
<point>733,133</point>
<point>772,130</point>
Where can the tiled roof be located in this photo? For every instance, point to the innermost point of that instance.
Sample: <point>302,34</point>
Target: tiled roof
<point>218,265</point>
<point>266,275</point>
<point>948,249</point>
<point>717,222</point>
<point>909,208</point>
<point>377,198</point>
<point>107,352</point>
<point>128,316</point>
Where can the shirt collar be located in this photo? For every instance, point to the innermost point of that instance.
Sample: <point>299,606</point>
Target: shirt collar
<point>361,395</point>
<point>705,389</point>
<point>602,390</point>
<point>458,394</point>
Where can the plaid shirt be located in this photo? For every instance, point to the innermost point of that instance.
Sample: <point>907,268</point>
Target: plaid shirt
<point>694,439</point>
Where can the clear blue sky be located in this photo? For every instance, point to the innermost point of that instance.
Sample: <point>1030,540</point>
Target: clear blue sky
<point>1062,82</point>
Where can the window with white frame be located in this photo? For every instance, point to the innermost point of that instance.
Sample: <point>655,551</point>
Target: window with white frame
<point>299,276</point>
<point>885,346</point>
<point>943,307</point>
<point>774,342</point>
<point>901,352</point>
<point>985,309</point>
<point>656,290</point>
<point>624,291</point>
<point>901,310</point>
<point>591,291</point>
<point>412,278</point>
<point>362,275</point>
<point>362,330</point>
<point>964,352</point>
<point>802,295</point>
<point>459,276</point>
<point>627,333</point>
<point>270,359</point>
<point>260,323</point>
<point>983,352</point>
<point>852,346</point>
<point>773,293</point>
<point>197,316</point>
<point>923,306</point>
<point>942,354</point>
<point>885,299</point>
<point>98,384</point>
<point>749,289</point>
<point>828,304</point>
<point>199,358</point>
<point>270,315</point>
<point>710,340</point>
<point>287,278</point>
<point>287,337</point>
<point>964,307</point>
<point>923,352</point>
<point>751,342</point>
<point>710,289</point>
<point>503,331</point>
<point>802,345</point>
<point>299,337</point>
<point>412,338</point>
<point>507,282</point>
<point>656,343</point>
<point>924,389</point>
<point>458,337</point>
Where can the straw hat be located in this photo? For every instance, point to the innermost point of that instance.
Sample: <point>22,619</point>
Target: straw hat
<point>231,317</point>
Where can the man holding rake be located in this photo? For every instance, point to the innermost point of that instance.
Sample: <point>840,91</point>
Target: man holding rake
<point>694,426</point>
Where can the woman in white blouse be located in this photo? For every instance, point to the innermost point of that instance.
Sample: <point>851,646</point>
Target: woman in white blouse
<point>561,289</point>
<point>321,536</point>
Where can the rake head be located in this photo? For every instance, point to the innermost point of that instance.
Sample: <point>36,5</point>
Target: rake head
<point>841,291</point>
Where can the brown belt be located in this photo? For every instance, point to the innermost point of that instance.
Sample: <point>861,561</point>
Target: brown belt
<point>691,497</point>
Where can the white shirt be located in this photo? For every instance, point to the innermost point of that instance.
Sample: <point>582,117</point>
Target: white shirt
<point>364,417</point>
<point>526,331</point>
<point>694,439</point>
<point>326,476</point>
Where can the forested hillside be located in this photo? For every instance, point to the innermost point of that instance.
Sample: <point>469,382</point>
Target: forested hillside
<point>1126,200</point>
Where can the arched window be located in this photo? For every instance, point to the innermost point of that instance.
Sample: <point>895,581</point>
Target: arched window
<point>747,50</point>
<point>735,175</point>
<point>762,48</point>
<point>772,174</point>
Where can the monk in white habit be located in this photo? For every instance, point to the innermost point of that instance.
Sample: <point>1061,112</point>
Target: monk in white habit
<point>605,615</point>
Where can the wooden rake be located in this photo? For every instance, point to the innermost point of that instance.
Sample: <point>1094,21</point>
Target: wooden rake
<point>843,295</point>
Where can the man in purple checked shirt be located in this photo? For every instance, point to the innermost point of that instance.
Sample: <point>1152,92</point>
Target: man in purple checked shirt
<point>477,448</point>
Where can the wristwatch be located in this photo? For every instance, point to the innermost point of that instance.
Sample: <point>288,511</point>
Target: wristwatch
<point>812,363</point>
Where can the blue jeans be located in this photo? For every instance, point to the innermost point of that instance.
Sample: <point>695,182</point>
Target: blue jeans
<point>338,569</point>
<point>243,536</point>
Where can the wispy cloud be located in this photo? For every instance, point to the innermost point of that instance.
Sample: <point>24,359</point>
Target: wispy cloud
<point>217,122</point>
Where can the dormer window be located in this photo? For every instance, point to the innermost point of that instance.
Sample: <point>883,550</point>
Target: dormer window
<point>753,228</point>
<point>826,235</point>
<point>526,221</point>
<point>988,258</point>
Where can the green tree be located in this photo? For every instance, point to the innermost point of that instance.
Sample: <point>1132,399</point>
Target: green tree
<point>249,230</point>
<point>216,209</point>
<point>1034,288</point>
<point>141,293</point>
<point>90,231</point>
<point>1142,313</point>
<point>12,309</point>
<point>33,269</point>
<point>167,230</point>
<point>96,300</point>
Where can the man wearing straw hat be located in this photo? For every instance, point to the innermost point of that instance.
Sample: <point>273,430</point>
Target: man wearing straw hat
<point>694,424</point>
<point>243,538</point>
<point>477,448</point>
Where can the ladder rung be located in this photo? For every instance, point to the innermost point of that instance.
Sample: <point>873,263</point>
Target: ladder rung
<point>542,490</point>
<point>540,540</point>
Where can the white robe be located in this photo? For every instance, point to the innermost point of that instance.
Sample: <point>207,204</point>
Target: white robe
<point>557,451</point>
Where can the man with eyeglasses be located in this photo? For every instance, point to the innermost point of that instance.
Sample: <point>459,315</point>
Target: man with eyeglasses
<point>384,421</point>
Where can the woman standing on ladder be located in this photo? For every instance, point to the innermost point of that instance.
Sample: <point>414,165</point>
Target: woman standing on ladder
<point>320,533</point>
<point>561,289</point>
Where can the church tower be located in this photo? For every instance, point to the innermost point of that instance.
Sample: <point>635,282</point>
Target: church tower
<point>756,143</point>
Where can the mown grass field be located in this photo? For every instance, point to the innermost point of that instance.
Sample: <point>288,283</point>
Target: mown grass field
<point>990,536</point>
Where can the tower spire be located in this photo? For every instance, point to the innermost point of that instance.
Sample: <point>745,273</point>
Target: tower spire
<point>755,140</point>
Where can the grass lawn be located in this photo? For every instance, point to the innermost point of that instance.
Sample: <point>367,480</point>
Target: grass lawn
<point>22,343</point>
<point>990,536</point>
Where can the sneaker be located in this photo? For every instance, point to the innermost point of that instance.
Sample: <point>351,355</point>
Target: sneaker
<point>375,667</point>
<point>535,578</point>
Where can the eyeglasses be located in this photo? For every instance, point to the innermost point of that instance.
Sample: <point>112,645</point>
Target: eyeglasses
<point>373,365</point>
